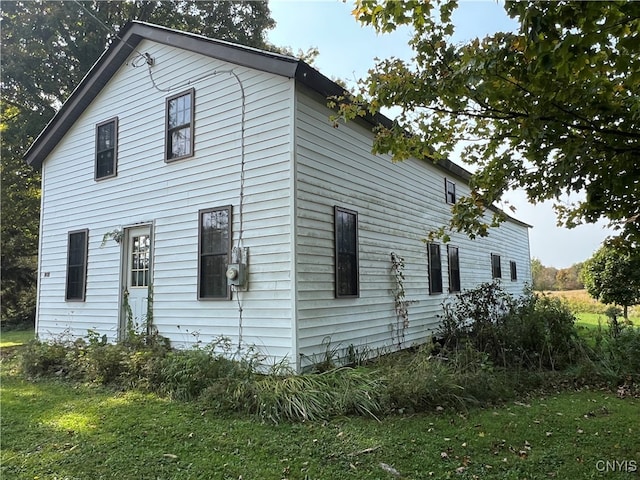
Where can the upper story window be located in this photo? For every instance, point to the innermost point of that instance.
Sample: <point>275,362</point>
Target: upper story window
<point>346,253</point>
<point>454,269</point>
<point>496,268</point>
<point>106,149</point>
<point>76,265</point>
<point>514,270</point>
<point>435,268</point>
<point>214,250</point>
<point>180,120</point>
<point>450,191</point>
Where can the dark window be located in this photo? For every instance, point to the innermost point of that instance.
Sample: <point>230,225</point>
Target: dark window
<point>214,252</point>
<point>346,252</point>
<point>106,149</point>
<point>514,271</point>
<point>180,125</point>
<point>454,269</point>
<point>450,191</point>
<point>77,265</point>
<point>496,269</point>
<point>435,268</point>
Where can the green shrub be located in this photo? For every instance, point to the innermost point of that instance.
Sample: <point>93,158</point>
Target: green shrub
<point>142,368</point>
<point>44,358</point>
<point>105,364</point>
<point>532,331</point>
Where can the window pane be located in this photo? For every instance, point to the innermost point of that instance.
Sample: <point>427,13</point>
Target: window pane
<point>213,282</point>
<point>172,114</point>
<point>215,232</point>
<point>74,282</point>
<point>346,233</point>
<point>106,136</point>
<point>180,142</point>
<point>179,113</point>
<point>76,248</point>
<point>105,164</point>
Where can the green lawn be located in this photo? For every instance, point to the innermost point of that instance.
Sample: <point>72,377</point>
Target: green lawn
<point>14,338</point>
<point>55,430</point>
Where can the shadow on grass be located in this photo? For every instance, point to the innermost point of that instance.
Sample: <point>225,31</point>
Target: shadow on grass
<point>55,429</point>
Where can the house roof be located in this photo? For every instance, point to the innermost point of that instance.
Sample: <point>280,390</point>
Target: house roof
<point>131,36</point>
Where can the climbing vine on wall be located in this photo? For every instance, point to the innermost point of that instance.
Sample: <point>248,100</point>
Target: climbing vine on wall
<point>400,298</point>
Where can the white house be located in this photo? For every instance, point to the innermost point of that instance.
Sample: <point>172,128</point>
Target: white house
<point>180,155</point>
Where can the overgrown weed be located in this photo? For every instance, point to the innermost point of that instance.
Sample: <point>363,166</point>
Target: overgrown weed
<point>493,348</point>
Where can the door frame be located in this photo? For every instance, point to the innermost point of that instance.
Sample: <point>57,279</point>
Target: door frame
<point>123,315</point>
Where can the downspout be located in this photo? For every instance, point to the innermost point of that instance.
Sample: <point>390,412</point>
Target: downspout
<point>40,241</point>
<point>293,187</point>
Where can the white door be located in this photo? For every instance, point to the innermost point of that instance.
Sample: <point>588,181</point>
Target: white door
<point>137,273</point>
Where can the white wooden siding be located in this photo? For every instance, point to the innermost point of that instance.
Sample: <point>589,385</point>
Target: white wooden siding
<point>147,189</point>
<point>397,205</point>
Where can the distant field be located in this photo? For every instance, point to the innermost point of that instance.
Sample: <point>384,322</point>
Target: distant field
<point>590,311</point>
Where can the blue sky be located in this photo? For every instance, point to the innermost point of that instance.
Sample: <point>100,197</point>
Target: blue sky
<point>348,50</point>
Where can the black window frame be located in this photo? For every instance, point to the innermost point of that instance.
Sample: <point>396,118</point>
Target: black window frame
<point>77,294</point>
<point>434,268</point>
<point>99,150</point>
<point>449,191</point>
<point>514,271</point>
<point>453,261</point>
<point>168,130</point>
<point>353,284</point>
<point>496,266</point>
<point>227,253</point>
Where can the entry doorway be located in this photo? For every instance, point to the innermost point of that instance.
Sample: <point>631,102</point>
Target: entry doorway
<point>137,279</point>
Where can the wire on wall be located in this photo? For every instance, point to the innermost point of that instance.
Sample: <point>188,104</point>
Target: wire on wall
<point>149,61</point>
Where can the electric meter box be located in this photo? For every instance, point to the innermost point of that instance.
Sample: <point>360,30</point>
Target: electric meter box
<point>236,274</point>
